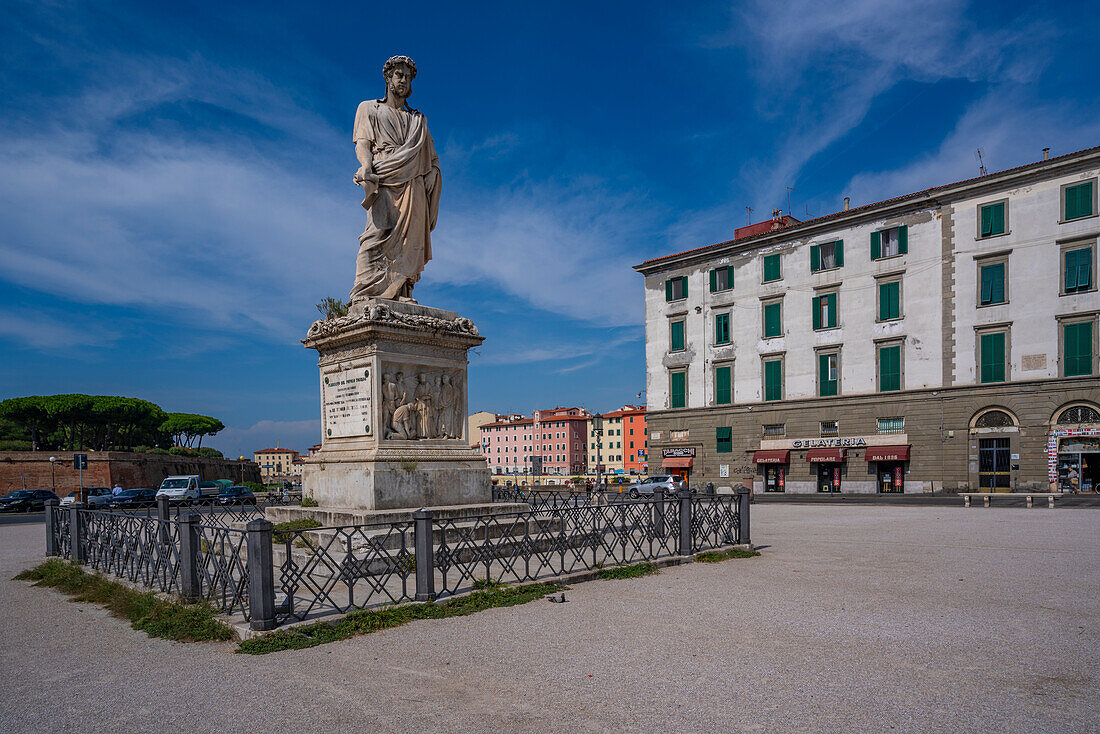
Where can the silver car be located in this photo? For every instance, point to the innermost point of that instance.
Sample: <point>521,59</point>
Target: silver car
<point>668,483</point>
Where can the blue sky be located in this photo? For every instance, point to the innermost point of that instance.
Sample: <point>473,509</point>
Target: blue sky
<point>177,186</point>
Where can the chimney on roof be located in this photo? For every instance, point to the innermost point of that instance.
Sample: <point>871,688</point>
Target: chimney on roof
<point>847,202</point>
<point>1046,154</point>
<point>776,213</point>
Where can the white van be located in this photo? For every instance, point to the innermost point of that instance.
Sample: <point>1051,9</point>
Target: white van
<point>185,488</point>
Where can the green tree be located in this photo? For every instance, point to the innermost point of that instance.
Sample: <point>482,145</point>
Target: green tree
<point>186,428</point>
<point>32,415</point>
<point>332,308</point>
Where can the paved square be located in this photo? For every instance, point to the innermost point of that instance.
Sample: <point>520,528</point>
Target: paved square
<point>855,619</point>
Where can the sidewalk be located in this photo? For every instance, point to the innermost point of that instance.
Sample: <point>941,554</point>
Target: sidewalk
<point>855,618</point>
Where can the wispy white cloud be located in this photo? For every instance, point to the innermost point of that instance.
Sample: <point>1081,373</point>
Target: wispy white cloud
<point>603,344</point>
<point>41,331</point>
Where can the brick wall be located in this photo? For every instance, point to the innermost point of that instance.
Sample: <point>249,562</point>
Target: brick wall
<point>106,468</point>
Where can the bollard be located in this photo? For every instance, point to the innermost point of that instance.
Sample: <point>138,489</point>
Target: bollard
<point>685,523</point>
<point>190,589</point>
<point>986,498</point>
<point>743,536</point>
<point>659,512</point>
<point>162,516</point>
<point>261,575</point>
<point>966,500</point>
<point>425,560</point>
<point>76,535</point>
<point>1029,502</point>
<point>52,545</point>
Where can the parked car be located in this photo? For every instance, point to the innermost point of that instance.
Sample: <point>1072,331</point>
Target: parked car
<point>186,488</point>
<point>98,497</point>
<point>26,500</point>
<point>667,483</point>
<point>236,496</point>
<point>129,498</point>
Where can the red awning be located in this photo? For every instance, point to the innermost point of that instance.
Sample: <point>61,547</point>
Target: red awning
<point>774,456</point>
<point>887,453</point>
<point>825,456</point>
<point>678,462</point>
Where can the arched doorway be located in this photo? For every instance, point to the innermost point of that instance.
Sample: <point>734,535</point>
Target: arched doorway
<point>1074,448</point>
<point>994,429</point>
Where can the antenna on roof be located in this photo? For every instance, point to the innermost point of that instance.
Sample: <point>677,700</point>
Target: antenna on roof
<point>748,215</point>
<point>981,163</point>
<point>789,190</point>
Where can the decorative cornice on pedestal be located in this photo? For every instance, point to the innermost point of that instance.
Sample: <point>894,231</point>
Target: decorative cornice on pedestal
<point>381,319</point>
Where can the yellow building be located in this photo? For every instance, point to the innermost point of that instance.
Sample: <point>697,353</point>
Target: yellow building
<point>277,465</point>
<point>611,452</point>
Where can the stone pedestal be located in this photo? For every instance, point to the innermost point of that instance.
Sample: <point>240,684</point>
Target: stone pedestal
<point>393,410</point>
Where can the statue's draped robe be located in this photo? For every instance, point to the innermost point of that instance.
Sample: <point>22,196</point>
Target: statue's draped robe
<point>396,243</point>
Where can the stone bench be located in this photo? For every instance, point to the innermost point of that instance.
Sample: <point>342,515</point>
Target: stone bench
<point>1029,497</point>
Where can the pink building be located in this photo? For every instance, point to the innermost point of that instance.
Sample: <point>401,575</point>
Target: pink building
<point>560,438</point>
<point>507,443</point>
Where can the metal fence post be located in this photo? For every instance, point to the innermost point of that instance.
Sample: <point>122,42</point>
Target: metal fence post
<point>76,545</point>
<point>425,560</point>
<point>162,516</point>
<point>659,512</point>
<point>189,557</point>
<point>685,523</point>
<point>743,516</point>
<point>261,575</point>
<point>52,548</point>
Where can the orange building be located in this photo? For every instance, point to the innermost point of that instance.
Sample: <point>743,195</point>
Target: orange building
<point>635,440</point>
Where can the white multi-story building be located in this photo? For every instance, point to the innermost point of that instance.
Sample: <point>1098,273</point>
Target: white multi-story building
<point>943,339</point>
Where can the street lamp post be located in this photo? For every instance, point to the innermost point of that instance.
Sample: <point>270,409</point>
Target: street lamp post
<point>597,431</point>
<point>53,478</point>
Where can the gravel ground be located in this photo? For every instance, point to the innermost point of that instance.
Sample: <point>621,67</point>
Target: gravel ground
<point>855,619</point>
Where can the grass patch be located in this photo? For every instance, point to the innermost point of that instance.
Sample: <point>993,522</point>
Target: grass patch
<point>281,531</point>
<point>145,611</point>
<point>724,555</point>
<point>372,620</point>
<point>633,571</point>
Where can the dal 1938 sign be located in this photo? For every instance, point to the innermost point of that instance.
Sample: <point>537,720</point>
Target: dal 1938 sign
<point>679,452</point>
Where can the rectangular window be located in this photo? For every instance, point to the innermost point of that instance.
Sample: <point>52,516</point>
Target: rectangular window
<point>826,256</point>
<point>775,430</point>
<point>1077,200</point>
<point>828,374</point>
<point>891,425</point>
<point>824,316</point>
<point>992,350</point>
<point>773,319</point>
<point>676,289</point>
<point>1077,349</point>
<point>721,279</point>
<point>993,284</point>
<point>889,242</point>
<point>889,368</point>
<point>678,391</point>
<point>889,300</point>
<point>772,268</point>
<point>723,385</point>
<point>992,219</point>
<point>1078,270</point>
<point>722,328</point>
<point>773,379</point>
<point>676,336</point>
<point>830,429</point>
<point>724,439</point>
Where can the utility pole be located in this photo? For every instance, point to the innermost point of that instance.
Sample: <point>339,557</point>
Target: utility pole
<point>789,190</point>
<point>748,215</point>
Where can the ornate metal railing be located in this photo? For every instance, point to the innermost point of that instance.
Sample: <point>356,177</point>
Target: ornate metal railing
<point>714,522</point>
<point>139,549</point>
<point>222,562</point>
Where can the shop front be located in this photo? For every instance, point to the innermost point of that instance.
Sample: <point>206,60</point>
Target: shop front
<point>678,461</point>
<point>889,464</point>
<point>774,464</point>
<point>1079,464</point>
<point>827,465</point>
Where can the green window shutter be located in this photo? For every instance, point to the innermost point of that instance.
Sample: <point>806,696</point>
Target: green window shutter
<point>729,276</point>
<point>668,289</point>
<point>987,221</point>
<point>679,390</point>
<point>999,218</point>
<point>817,312</point>
<point>815,258</point>
<point>773,322</point>
<point>826,386</point>
<point>889,365</point>
<point>993,284</point>
<point>831,299</point>
<point>722,386</point>
<point>773,380</point>
<point>876,245</point>
<point>723,438</point>
<point>1084,269</point>
<point>722,328</point>
<point>903,239</point>
<point>993,357</point>
<point>839,253</point>
<point>889,301</point>
<point>1077,347</point>
<point>1071,203</point>
<point>772,268</point>
<point>1084,199</point>
<point>683,286</point>
<point>676,338</point>
<point>1071,271</point>
<point>713,281</point>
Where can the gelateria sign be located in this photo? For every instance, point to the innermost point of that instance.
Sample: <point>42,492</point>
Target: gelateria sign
<point>842,442</point>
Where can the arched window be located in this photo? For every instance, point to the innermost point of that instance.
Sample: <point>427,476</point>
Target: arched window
<point>994,419</point>
<point>1079,414</point>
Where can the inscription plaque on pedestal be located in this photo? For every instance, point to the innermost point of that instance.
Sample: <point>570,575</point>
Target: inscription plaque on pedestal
<point>347,397</point>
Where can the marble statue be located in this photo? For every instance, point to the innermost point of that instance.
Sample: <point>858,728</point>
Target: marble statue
<point>401,187</point>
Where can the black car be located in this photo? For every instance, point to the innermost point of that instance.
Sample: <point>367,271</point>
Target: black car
<point>26,500</point>
<point>133,498</point>
<point>236,496</point>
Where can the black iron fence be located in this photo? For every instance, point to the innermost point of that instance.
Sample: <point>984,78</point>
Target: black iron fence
<point>273,577</point>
